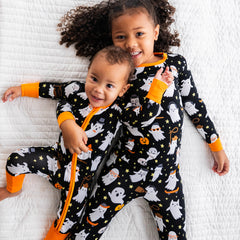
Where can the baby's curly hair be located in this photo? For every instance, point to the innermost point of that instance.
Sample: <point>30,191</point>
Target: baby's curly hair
<point>89,27</point>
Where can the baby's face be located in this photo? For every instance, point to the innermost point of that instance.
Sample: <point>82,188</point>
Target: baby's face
<point>105,82</point>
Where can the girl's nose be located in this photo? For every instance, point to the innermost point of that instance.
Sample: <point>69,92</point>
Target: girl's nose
<point>131,43</point>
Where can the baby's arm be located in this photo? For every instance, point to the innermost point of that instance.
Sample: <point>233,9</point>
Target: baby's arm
<point>74,137</point>
<point>12,93</point>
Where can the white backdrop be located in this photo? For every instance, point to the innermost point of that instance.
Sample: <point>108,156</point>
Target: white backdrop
<point>29,51</point>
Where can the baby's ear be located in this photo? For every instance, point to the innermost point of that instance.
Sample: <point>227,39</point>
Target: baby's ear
<point>124,89</point>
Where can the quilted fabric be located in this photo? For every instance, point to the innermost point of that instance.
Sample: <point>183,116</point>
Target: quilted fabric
<point>29,51</point>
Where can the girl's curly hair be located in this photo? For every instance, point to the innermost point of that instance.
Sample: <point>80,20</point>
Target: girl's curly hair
<point>89,27</point>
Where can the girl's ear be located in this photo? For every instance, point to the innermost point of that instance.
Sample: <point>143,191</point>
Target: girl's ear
<point>156,32</point>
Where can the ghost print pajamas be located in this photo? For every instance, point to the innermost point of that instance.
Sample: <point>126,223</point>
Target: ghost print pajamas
<point>71,174</point>
<point>145,162</point>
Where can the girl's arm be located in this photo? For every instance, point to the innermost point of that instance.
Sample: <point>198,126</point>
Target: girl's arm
<point>150,106</point>
<point>197,111</point>
<point>74,137</point>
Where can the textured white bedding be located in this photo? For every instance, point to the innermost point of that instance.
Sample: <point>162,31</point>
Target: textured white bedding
<point>29,51</point>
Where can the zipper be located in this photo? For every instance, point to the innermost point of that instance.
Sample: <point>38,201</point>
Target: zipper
<point>73,173</point>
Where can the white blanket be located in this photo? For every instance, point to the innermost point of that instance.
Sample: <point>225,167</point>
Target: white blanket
<point>29,51</point>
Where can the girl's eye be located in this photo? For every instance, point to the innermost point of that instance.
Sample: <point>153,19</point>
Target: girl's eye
<point>139,34</point>
<point>120,37</point>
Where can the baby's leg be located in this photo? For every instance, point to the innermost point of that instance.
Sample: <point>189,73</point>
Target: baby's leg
<point>4,193</point>
<point>25,161</point>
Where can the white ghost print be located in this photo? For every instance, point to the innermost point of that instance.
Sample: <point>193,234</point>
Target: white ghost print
<point>147,83</point>
<point>111,176</point>
<point>22,151</point>
<point>171,181</point>
<point>95,163</point>
<point>190,108</point>
<point>151,194</point>
<point>82,193</point>
<point>174,208</point>
<point>201,131</point>
<point>71,88</point>
<point>85,111</point>
<point>157,172</point>
<point>66,107</point>
<point>81,235</point>
<point>98,212</point>
<point>172,235</point>
<point>67,225</point>
<point>170,90</point>
<point>186,87</point>
<point>173,146</point>
<point>139,175</point>
<point>95,129</point>
<point>117,195</point>
<point>173,112</point>
<point>107,141</point>
<point>156,132</point>
<point>160,223</point>
<point>19,169</point>
<point>52,164</point>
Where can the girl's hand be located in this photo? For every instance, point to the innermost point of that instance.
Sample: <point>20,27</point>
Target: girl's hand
<point>12,93</point>
<point>74,137</point>
<point>221,163</point>
<point>166,77</point>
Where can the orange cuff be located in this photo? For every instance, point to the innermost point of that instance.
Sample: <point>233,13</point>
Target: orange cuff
<point>216,146</point>
<point>14,183</point>
<point>157,90</point>
<point>65,116</point>
<point>30,90</point>
<point>53,234</point>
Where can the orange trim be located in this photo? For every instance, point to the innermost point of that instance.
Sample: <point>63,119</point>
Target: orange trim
<point>157,90</point>
<point>216,146</point>
<point>53,234</point>
<point>169,192</point>
<point>93,224</point>
<point>155,63</point>
<point>65,116</point>
<point>14,183</point>
<point>70,193</point>
<point>30,90</point>
<point>73,173</point>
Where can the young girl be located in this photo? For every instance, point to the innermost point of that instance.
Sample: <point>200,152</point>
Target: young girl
<point>145,162</point>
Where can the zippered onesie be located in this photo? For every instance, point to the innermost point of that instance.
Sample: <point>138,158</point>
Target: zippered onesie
<point>71,174</point>
<point>145,162</point>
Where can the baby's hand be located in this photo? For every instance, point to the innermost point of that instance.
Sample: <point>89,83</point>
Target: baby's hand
<point>74,137</point>
<point>166,77</point>
<point>12,93</point>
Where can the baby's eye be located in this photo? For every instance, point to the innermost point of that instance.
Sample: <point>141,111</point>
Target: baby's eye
<point>94,79</point>
<point>109,85</point>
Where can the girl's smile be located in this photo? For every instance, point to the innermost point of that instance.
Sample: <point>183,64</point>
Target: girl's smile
<point>135,32</point>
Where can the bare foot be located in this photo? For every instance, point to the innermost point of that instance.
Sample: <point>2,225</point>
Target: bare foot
<point>4,193</point>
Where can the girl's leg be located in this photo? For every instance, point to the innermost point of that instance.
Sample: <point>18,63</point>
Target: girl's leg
<point>169,212</point>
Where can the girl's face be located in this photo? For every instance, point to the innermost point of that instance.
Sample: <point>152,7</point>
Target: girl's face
<point>135,32</point>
